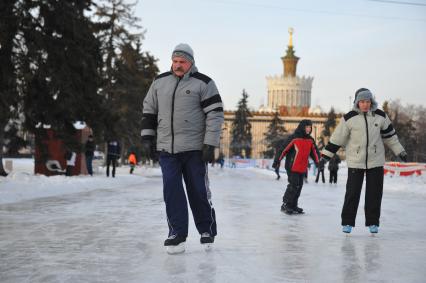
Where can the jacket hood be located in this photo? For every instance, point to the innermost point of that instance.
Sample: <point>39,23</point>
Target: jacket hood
<point>300,130</point>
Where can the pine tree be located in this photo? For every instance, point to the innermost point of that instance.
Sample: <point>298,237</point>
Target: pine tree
<point>60,69</point>
<point>135,72</point>
<point>274,136</point>
<point>9,96</point>
<point>115,19</point>
<point>241,143</point>
<point>329,126</point>
<point>404,126</point>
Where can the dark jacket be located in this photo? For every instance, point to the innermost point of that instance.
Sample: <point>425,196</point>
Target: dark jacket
<point>90,148</point>
<point>333,164</point>
<point>297,149</point>
<point>114,149</point>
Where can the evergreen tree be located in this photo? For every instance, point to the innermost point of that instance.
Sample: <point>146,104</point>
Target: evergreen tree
<point>329,124</point>
<point>9,23</point>
<point>13,140</point>
<point>135,72</point>
<point>115,20</point>
<point>404,125</point>
<point>274,136</point>
<point>61,69</point>
<point>241,141</point>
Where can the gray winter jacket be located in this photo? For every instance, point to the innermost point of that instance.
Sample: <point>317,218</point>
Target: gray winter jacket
<point>363,135</point>
<point>184,113</point>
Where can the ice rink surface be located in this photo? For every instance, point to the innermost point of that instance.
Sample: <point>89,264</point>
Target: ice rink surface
<point>116,235</point>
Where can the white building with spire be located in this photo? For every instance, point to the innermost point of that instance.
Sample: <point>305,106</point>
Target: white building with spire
<point>289,93</point>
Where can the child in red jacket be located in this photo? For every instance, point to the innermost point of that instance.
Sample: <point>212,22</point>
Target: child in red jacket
<point>297,149</point>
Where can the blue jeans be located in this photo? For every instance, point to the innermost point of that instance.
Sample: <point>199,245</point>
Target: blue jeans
<point>191,167</point>
<point>89,164</point>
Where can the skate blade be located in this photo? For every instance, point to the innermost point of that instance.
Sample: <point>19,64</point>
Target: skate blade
<point>207,247</point>
<point>176,249</point>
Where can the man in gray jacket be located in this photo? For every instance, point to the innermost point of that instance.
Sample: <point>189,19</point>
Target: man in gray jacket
<point>183,109</point>
<point>363,132</point>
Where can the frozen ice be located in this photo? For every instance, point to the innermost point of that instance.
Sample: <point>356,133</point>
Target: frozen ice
<point>113,230</point>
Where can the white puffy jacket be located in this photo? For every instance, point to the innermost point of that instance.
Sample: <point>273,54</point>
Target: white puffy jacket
<point>363,136</point>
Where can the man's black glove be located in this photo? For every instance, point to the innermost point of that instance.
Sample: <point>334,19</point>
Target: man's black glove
<point>208,153</point>
<point>148,148</point>
<point>276,164</point>
<point>403,156</point>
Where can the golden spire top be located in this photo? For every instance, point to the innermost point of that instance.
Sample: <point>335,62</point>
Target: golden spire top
<point>290,41</point>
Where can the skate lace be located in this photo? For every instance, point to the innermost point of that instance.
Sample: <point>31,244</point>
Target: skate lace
<point>205,235</point>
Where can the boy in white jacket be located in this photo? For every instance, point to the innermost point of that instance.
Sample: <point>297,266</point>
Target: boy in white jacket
<point>363,132</point>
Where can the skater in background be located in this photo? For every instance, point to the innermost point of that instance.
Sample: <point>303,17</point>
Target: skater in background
<point>277,171</point>
<point>221,160</point>
<point>363,132</point>
<point>89,153</point>
<point>297,149</point>
<point>333,167</point>
<point>113,154</point>
<point>305,178</point>
<point>132,161</point>
<point>320,171</point>
<point>184,109</point>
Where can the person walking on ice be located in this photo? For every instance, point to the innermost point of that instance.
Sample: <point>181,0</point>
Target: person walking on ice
<point>363,132</point>
<point>132,161</point>
<point>184,110</point>
<point>333,167</point>
<point>297,149</point>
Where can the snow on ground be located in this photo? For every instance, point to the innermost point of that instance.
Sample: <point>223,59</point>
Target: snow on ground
<point>22,184</point>
<point>98,229</point>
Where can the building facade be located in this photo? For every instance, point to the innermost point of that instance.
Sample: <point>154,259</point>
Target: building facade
<point>259,126</point>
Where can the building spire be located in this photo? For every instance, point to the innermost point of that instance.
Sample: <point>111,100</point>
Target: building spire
<point>290,41</point>
<point>290,60</point>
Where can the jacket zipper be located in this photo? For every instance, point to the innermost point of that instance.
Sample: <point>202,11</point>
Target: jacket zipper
<point>173,111</point>
<point>366,152</point>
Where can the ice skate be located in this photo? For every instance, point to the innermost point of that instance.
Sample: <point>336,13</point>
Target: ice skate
<point>287,210</point>
<point>175,244</point>
<point>299,210</point>
<point>347,229</point>
<point>207,241</point>
<point>373,229</point>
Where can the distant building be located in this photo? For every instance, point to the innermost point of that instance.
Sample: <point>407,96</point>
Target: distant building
<point>259,126</point>
<point>288,94</point>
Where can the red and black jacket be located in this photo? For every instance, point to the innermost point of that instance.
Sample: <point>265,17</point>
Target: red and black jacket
<point>297,149</point>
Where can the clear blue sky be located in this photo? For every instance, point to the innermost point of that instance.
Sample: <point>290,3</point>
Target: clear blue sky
<point>344,45</point>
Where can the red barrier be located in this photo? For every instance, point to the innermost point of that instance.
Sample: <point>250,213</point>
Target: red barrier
<point>404,169</point>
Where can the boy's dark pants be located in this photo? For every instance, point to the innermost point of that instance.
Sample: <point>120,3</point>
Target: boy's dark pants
<point>373,195</point>
<point>294,188</point>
